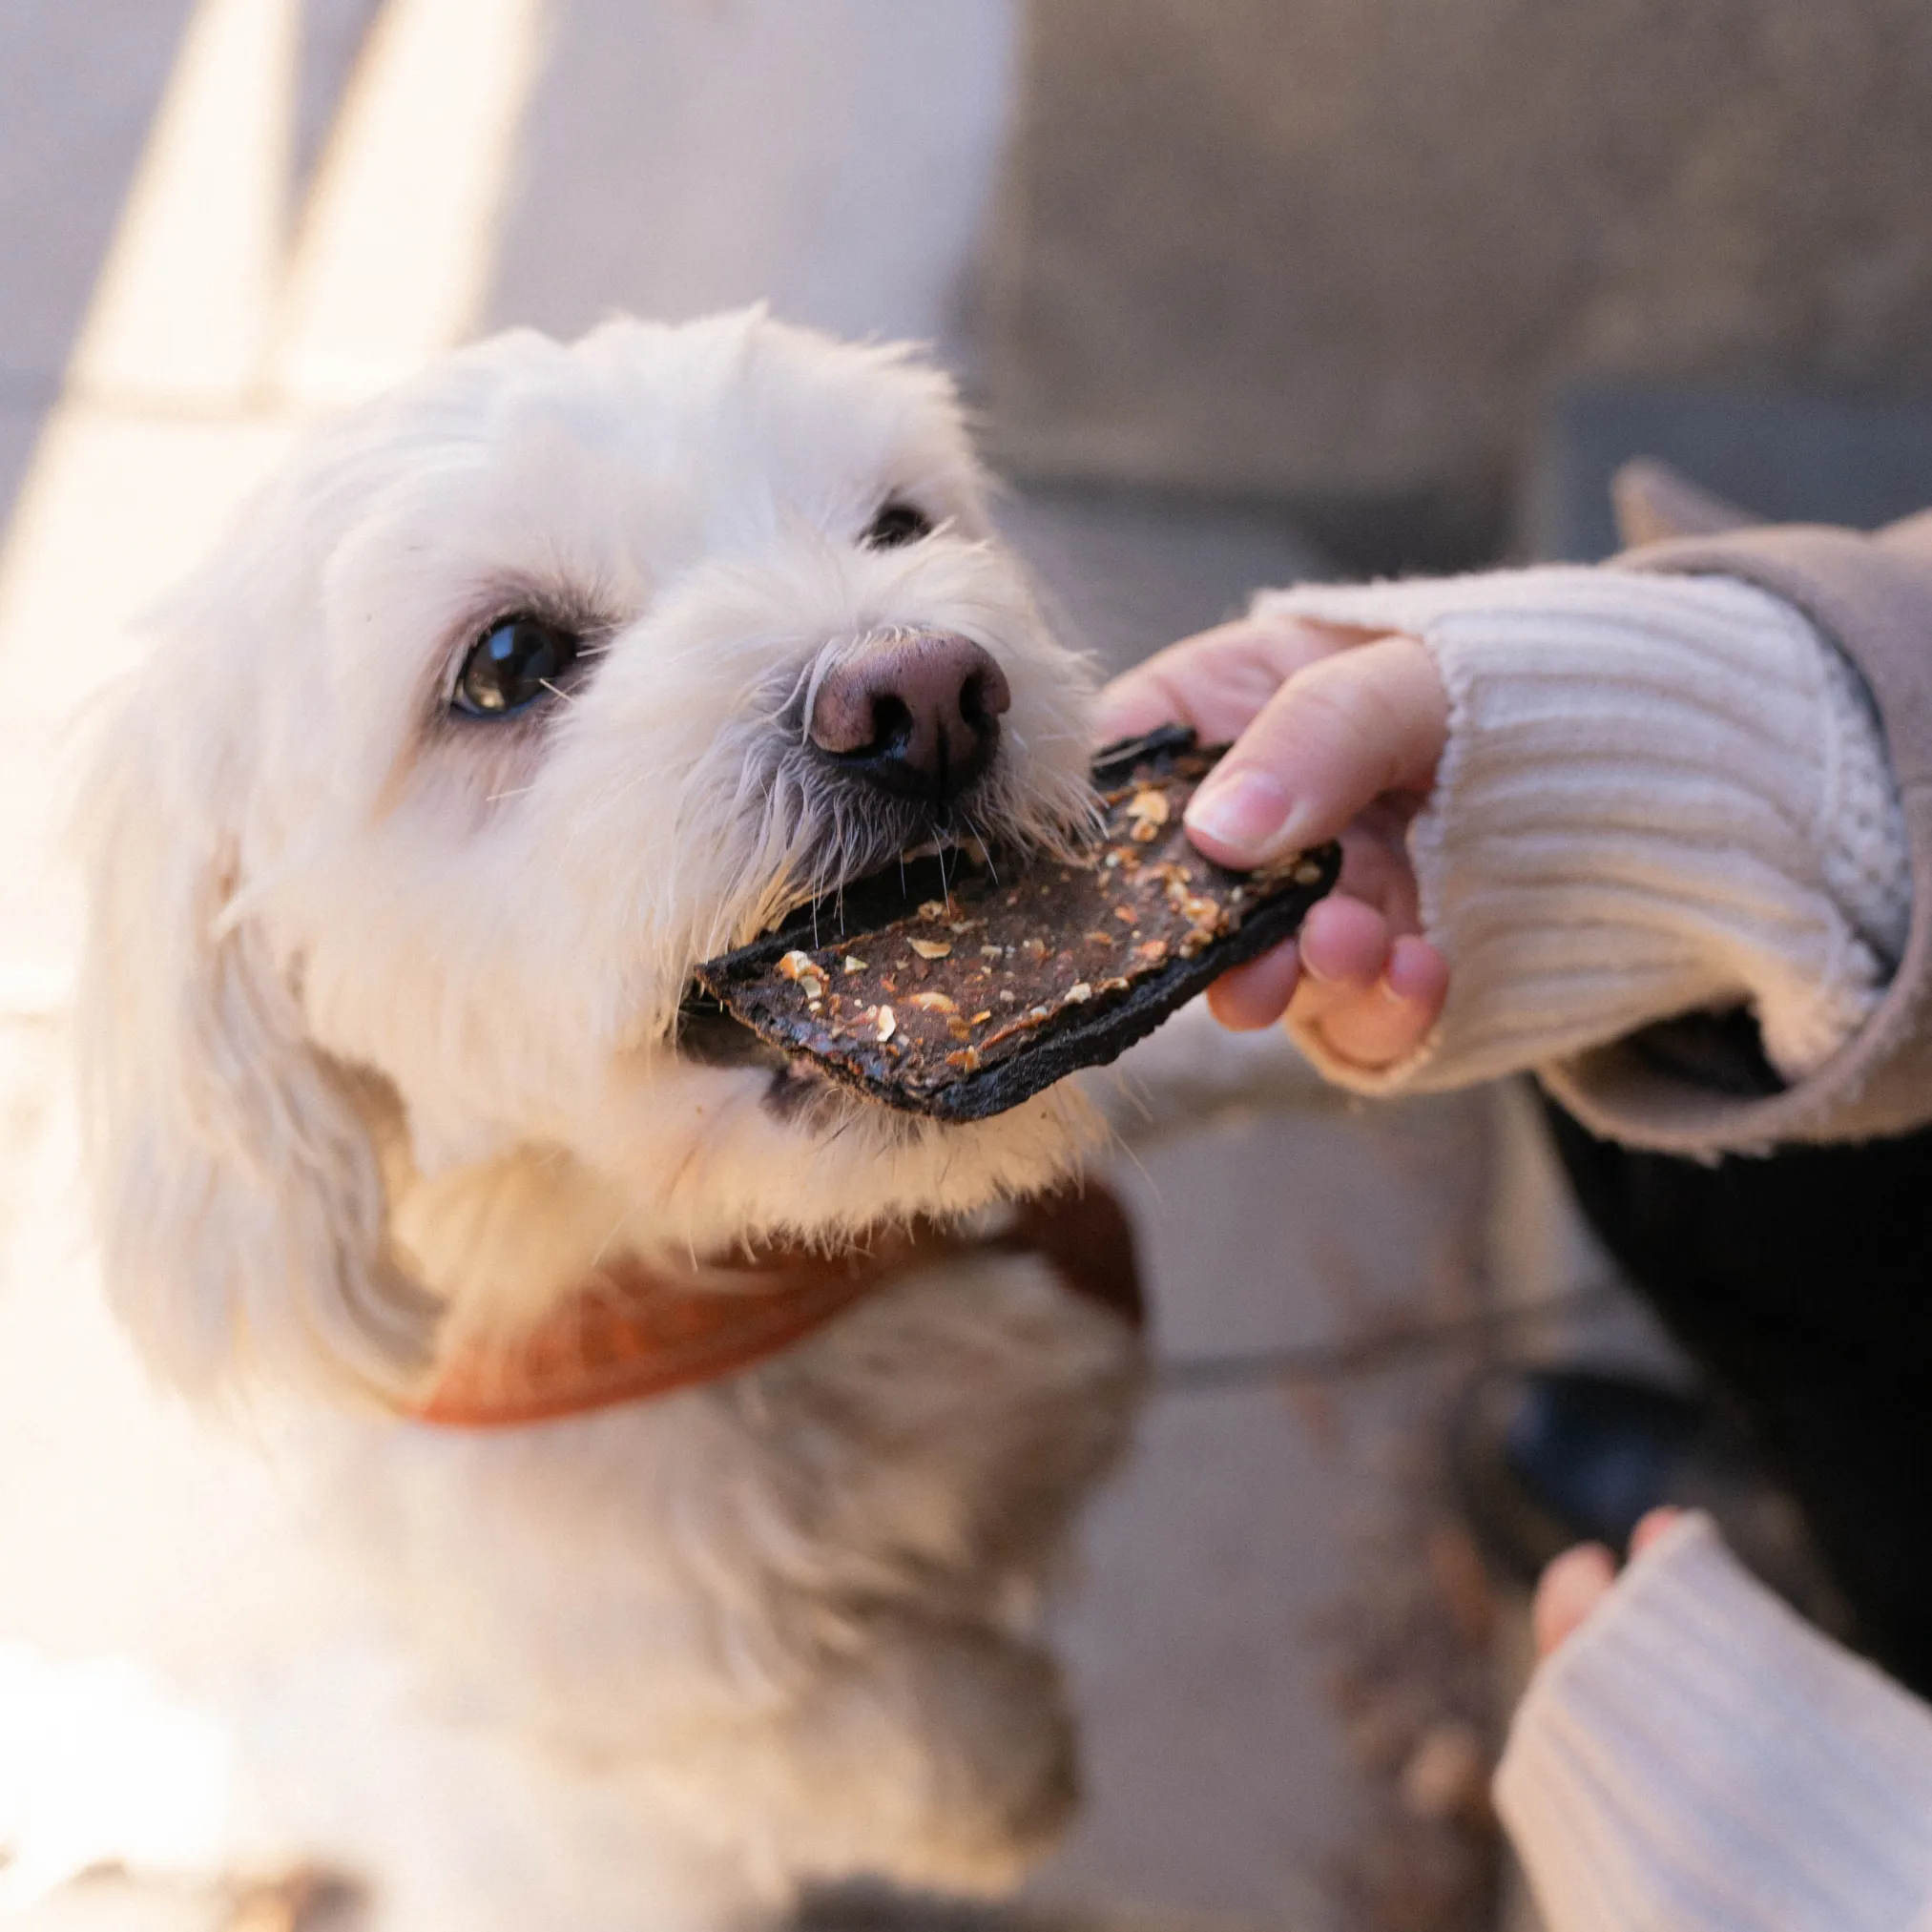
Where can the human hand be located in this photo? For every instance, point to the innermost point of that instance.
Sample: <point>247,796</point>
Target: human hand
<point>1336,733</point>
<point>1575,1583</point>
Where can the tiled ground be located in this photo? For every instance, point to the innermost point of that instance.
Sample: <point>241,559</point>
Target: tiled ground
<point>1204,1642</point>
<point>1224,1784</point>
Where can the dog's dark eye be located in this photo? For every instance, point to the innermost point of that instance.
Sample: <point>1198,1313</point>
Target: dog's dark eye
<point>515,662</point>
<point>898,523</point>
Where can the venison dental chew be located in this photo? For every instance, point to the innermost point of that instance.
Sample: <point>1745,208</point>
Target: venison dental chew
<point>959,989</point>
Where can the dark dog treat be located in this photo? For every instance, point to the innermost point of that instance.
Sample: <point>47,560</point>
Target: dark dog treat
<point>957,988</point>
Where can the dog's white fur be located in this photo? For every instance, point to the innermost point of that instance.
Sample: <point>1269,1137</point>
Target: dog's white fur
<point>377,1017</point>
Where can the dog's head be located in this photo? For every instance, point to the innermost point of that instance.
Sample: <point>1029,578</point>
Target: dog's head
<point>527,687</point>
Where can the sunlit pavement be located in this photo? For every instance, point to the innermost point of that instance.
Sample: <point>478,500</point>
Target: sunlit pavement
<point>219,220</point>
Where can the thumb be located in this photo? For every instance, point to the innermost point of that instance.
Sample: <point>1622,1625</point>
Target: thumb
<point>1341,733</point>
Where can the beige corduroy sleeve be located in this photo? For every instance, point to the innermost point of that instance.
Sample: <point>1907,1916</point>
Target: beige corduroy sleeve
<point>1697,1759</point>
<point>1660,794</point>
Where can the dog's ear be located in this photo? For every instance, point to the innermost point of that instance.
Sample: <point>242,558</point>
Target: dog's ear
<point>239,1197</point>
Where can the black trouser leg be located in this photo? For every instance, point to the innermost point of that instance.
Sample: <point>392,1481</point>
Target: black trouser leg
<point>1802,1285</point>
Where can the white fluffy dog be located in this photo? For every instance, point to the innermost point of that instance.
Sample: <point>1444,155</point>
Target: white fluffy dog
<point>530,685</point>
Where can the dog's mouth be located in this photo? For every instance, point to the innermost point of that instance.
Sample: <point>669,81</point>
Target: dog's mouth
<point>708,1035</point>
<point>956,993</point>
<point>796,1090</point>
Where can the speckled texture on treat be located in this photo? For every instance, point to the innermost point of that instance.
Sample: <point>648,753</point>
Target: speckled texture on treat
<point>960,991</point>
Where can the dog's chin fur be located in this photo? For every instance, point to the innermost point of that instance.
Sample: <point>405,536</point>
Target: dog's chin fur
<point>379,1025</point>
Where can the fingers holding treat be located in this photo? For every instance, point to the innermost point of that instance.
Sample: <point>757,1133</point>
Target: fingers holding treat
<point>1255,995</point>
<point>1371,1017</point>
<point>1337,732</point>
<point>1218,680</point>
<point>1368,995</point>
<point>1351,942</point>
<point>1350,728</point>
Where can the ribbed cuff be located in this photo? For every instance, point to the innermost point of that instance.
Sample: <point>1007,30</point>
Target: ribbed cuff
<point>1658,794</point>
<point>1697,1759</point>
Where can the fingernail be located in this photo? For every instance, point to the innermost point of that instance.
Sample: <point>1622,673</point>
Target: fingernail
<point>1243,811</point>
<point>1396,977</point>
<point>1414,971</point>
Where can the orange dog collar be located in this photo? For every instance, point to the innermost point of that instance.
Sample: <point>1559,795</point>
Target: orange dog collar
<point>633,1332</point>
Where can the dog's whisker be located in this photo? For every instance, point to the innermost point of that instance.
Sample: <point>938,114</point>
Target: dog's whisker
<point>985,846</point>
<point>603,1247</point>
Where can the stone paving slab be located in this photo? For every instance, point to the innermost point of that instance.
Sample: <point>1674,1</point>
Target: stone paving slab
<point>834,160</point>
<point>1786,456</point>
<point>76,88</point>
<point>1126,571</point>
<point>1214,1785</point>
<point>1324,250</point>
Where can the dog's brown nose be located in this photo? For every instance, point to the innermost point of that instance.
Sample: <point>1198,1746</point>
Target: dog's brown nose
<point>918,713</point>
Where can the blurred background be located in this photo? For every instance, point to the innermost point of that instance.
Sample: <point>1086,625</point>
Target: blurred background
<point>1242,291</point>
